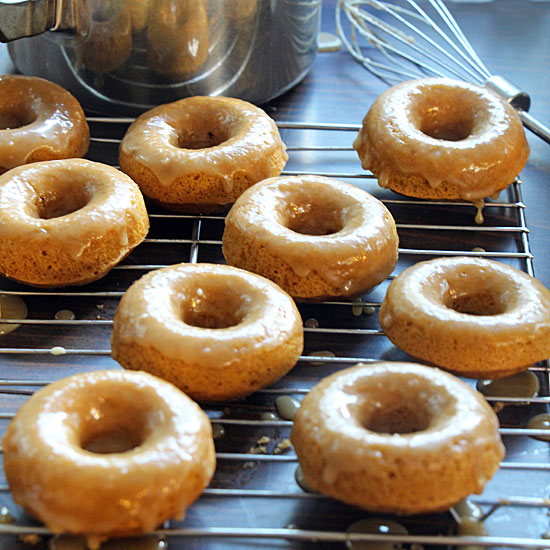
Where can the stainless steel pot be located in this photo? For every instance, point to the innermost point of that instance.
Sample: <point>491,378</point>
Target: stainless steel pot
<point>125,56</point>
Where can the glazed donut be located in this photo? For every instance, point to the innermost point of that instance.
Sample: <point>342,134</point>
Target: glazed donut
<point>215,331</point>
<point>314,236</point>
<point>67,222</point>
<point>107,454</point>
<point>200,153</point>
<point>396,437</point>
<point>439,138</point>
<point>39,120</point>
<point>178,38</point>
<point>476,317</point>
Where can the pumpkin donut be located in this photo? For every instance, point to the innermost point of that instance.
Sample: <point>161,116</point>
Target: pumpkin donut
<point>67,222</point>
<point>439,138</point>
<point>476,317</point>
<point>108,453</point>
<point>199,154</point>
<point>314,236</point>
<point>39,120</point>
<point>215,331</point>
<point>396,437</point>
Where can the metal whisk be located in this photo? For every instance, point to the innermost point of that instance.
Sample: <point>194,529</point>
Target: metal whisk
<point>403,41</point>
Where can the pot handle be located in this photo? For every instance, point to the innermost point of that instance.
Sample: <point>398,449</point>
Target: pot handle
<point>20,18</point>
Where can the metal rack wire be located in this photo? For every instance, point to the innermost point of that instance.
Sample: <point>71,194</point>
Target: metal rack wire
<point>255,486</point>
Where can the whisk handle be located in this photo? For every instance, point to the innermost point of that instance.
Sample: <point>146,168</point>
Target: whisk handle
<point>535,126</point>
<point>521,101</point>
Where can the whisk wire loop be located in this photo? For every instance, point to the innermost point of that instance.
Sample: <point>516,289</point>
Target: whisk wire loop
<point>419,45</point>
<point>472,58</point>
<point>394,69</point>
<point>464,49</point>
<point>363,20</point>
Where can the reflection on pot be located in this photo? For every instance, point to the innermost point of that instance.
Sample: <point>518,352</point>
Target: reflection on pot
<point>141,53</point>
<point>139,12</point>
<point>241,10</point>
<point>109,42</point>
<point>177,38</point>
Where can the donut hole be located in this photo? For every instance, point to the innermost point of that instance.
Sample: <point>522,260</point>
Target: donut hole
<point>446,114</point>
<point>17,116</point>
<point>64,200</point>
<point>454,129</point>
<point>114,426</point>
<point>399,418</point>
<point>478,293</point>
<point>214,307</point>
<point>312,218</point>
<point>118,440</point>
<point>203,133</point>
<point>483,303</point>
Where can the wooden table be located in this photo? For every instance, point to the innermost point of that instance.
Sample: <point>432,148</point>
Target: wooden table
<point>257,497</point>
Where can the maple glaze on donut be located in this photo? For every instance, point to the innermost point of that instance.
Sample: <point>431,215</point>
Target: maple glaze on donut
<point>442,138</point>
<point>67,222</point>
<point>396,437</point>
<point>477,317</point>
<point>316,237</point>
<point>199,154</point>
<point>108,453</point>
<point>39,120</point>
<point>215,331</point>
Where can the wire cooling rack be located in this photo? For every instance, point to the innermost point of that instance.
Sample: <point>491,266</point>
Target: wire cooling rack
<point>254,500</point>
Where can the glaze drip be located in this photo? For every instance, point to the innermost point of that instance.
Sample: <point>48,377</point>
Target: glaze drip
<point>540,422</point>
<point>11,307</point>
<point>375,526</point>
